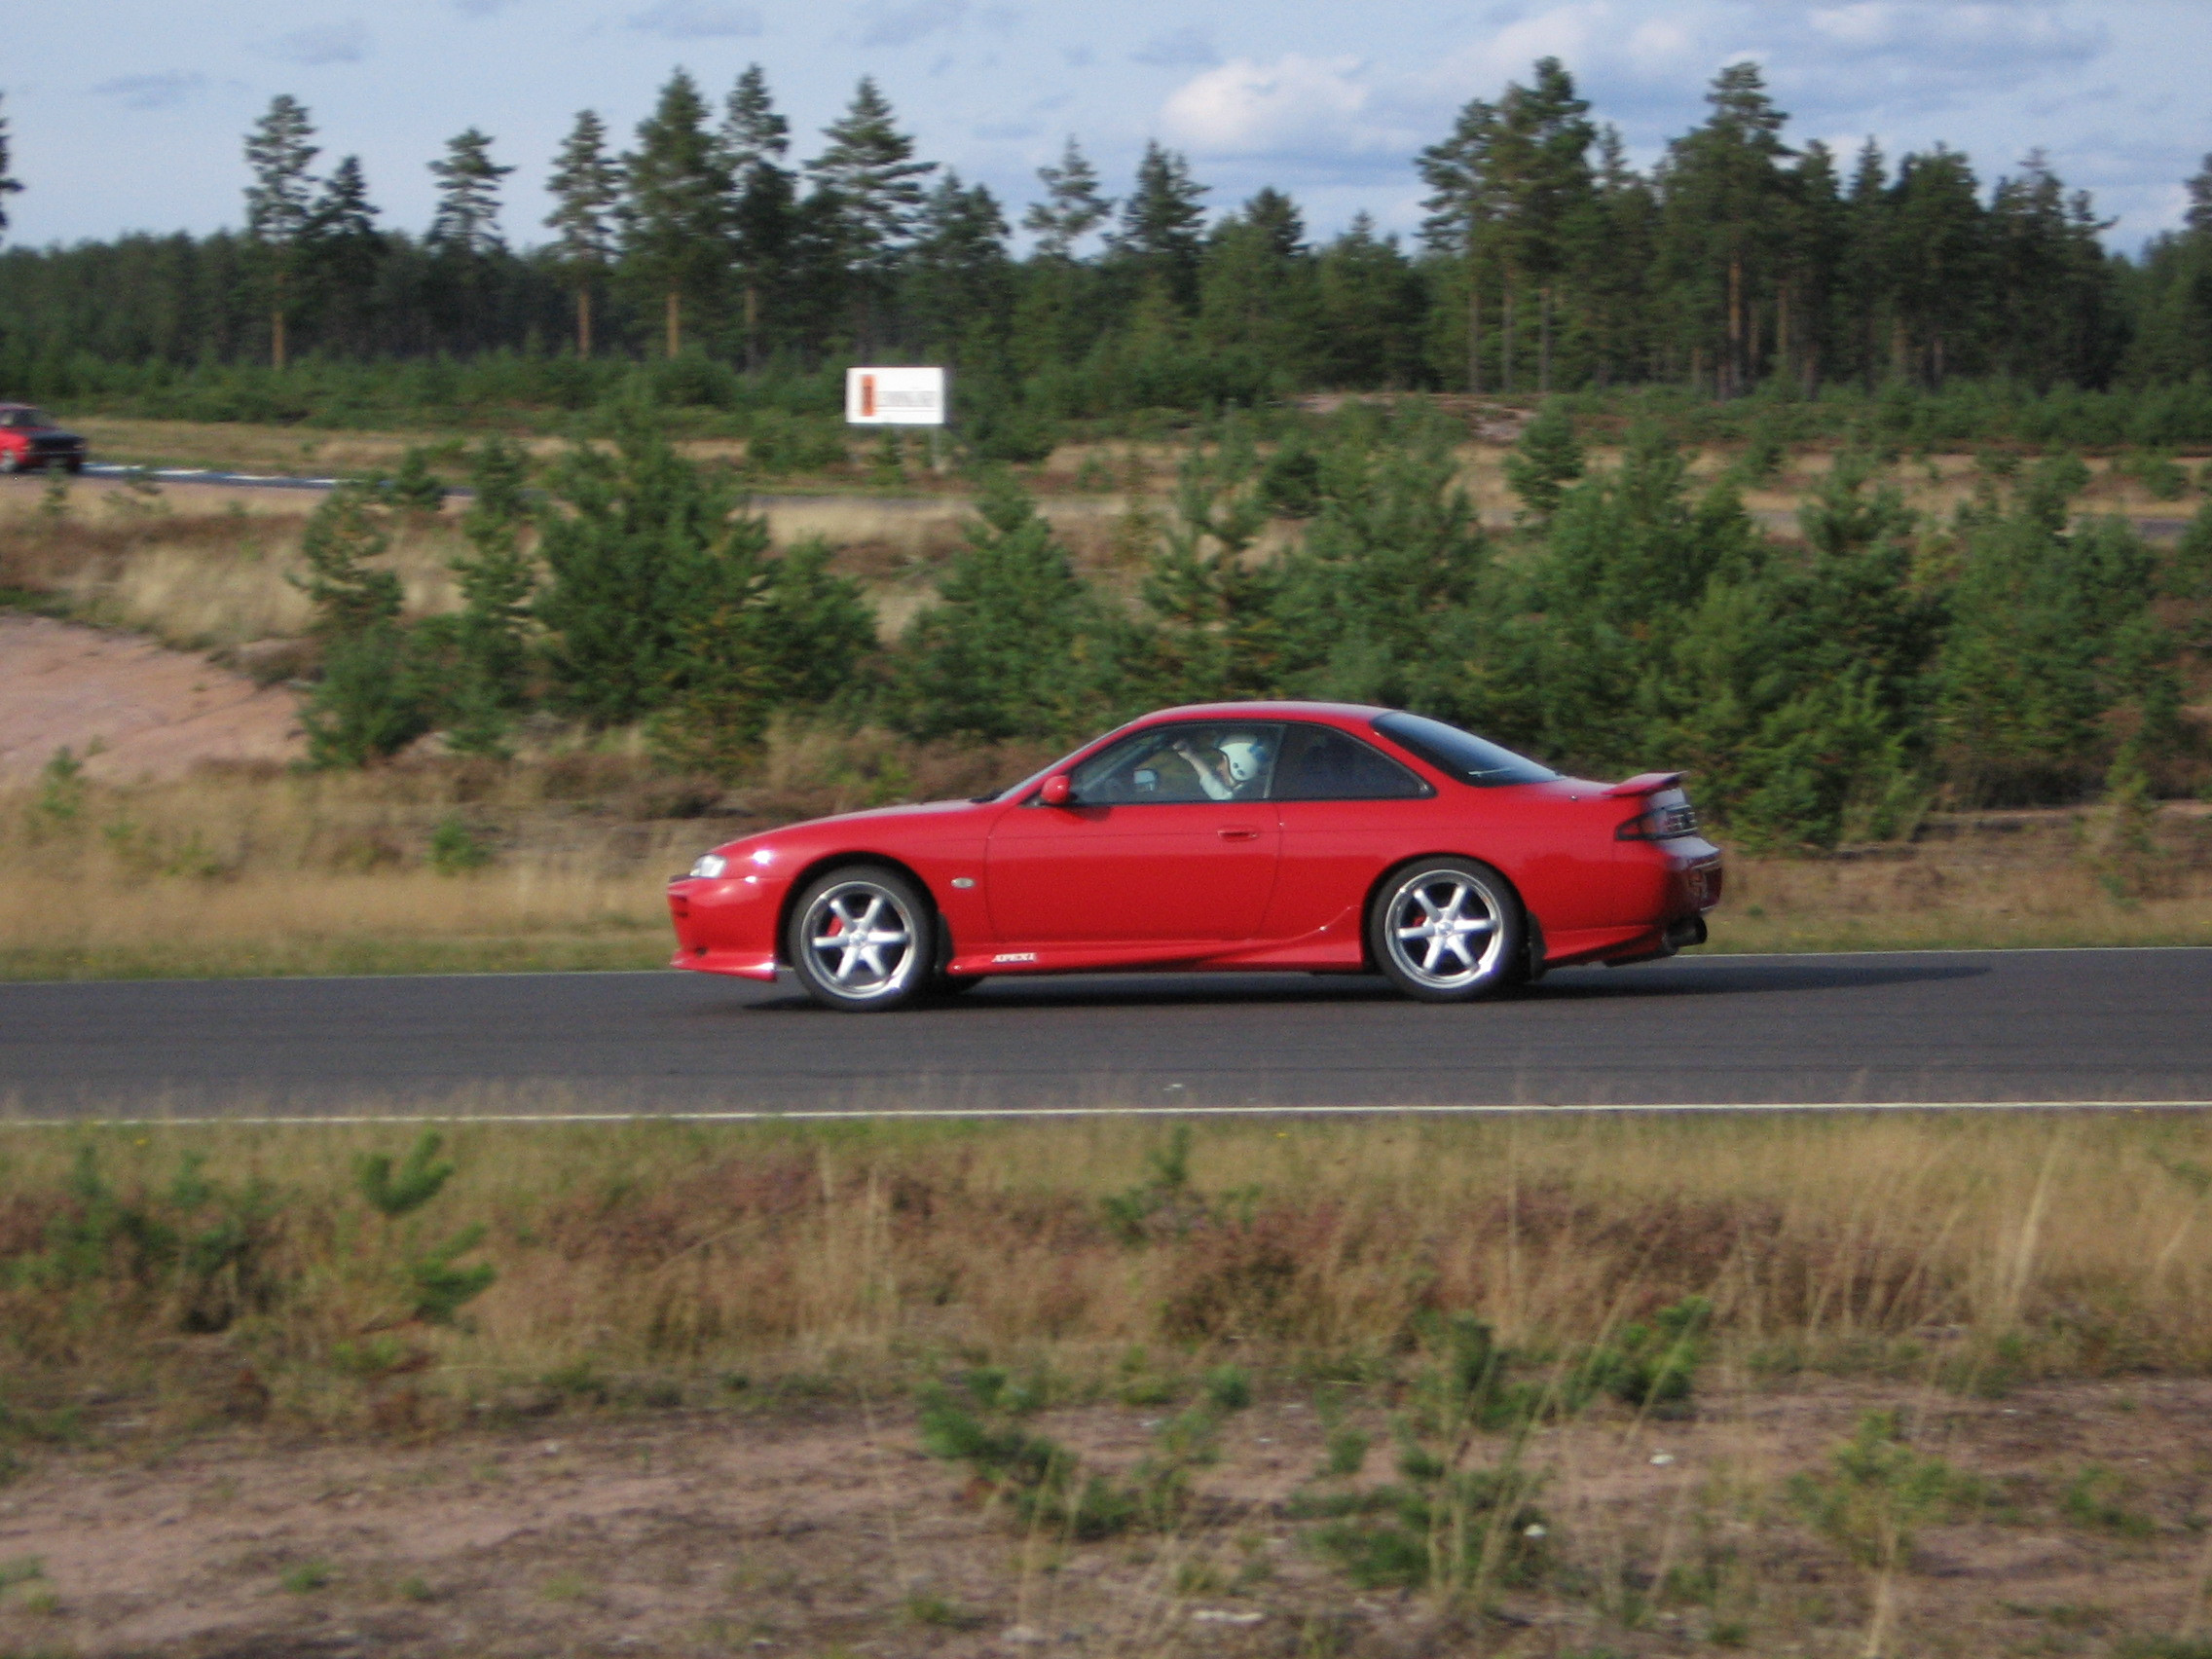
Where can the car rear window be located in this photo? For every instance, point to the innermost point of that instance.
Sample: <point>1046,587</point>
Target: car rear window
<point>1461,755</point>
<point>1323,764</point>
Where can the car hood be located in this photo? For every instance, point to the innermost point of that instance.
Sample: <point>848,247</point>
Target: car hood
<point>911,813</point>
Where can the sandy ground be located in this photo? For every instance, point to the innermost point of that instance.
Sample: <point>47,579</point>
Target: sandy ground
<point>819,1528</point>
<point>151,712</point>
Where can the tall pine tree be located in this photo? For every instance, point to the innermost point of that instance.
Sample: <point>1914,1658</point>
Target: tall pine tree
<point>9,185</point>
<point>1072,208</point>
<point>870,178</point>
<point>755,138</point>
<point>676,214</point>
<point>278,205</point>
<point>1163,229</point>
<point>586,185</point>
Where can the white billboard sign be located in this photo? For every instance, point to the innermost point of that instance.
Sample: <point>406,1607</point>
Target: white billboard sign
<point>895,397</point>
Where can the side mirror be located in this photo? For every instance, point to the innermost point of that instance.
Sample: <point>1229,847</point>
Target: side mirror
<point>1057,790</point>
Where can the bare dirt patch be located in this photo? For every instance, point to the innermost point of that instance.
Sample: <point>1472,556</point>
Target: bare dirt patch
<point>130,706</point>
<point>825,1529</point>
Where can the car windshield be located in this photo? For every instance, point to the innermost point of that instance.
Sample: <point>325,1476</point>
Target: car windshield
<point>1461,755</point>
<point>24,417</point>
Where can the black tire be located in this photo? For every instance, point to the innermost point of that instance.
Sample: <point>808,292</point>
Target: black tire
<point>1447,930</point>
<point>886,970</point>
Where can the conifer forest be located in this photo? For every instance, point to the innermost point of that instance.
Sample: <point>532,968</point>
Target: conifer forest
<point>1823,680</point>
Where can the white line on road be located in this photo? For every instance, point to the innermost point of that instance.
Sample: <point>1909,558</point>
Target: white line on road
<point>832,1114</point>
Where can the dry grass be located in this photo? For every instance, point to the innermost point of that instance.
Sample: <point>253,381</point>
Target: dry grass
<point>210,577</point>
<point>560,863</point>
<point>254,870</point>
<point>1966,1250</point>
<point>678,1417</point>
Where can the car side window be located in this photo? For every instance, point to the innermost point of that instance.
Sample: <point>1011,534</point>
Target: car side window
<point>1323,764</point>
<point>1212,761</point>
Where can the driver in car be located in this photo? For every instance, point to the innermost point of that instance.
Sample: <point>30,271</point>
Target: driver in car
<point>1230,770</point>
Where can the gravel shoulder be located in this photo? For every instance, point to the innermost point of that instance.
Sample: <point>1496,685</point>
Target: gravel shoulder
<point>147,711</point>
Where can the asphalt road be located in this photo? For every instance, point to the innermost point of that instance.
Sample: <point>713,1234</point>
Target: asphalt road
<point>2091,1026</point>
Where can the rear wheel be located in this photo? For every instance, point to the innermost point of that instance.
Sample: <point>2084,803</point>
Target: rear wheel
<point>1447,930</point>
<point>860,939</point>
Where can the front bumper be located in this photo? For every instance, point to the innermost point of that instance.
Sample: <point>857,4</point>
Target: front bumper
<point>726,925</point>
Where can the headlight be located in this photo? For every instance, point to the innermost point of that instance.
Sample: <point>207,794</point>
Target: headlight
<point>710,867</point>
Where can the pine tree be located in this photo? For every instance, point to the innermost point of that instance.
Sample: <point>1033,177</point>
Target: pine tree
<point>1724,192</point>
<point>277,203</point>
<point>1539,161</point>
<point>868,173</point>
<point>958,274</point>
<point>649,568</point>
<point>756,137</point>
<point>9,185</point>
<point>585,187</point>
<point>1463,203</point>
<point>1161,233</point>
<point>674,214</point>
<point>1002,654</point>
<point>344,251</point>
<point>467,217</point>
<point>1940,249</point>
<point>1072,208</point>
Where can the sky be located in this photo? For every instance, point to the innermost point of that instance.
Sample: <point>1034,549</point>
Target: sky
<point>129,115</point>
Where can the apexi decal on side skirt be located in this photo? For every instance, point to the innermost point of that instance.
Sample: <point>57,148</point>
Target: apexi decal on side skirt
<point>1015,956</point>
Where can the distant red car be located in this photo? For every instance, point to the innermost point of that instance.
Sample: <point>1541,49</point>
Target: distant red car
<point>29,442</point>
<point>1321,837</point>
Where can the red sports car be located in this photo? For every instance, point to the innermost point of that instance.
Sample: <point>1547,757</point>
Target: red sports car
<point>1317,837</point>
<point>30,442</point>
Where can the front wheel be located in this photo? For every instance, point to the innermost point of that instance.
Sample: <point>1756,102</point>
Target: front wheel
<point>861,938</point>
<point>1447,930</point>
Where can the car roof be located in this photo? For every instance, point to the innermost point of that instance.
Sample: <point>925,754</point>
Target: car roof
<point>1336,712</point>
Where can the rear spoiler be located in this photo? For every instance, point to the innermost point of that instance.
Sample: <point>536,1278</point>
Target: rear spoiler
<point>1647,784</point>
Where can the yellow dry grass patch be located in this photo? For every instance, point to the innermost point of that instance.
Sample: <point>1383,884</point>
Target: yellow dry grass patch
<point>1929,1245</point>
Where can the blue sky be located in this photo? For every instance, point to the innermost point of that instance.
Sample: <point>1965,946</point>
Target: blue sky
<point>128,115</point>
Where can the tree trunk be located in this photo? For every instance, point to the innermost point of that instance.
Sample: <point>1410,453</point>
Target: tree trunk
<point>583,321</point>
<point>675,321</point>
<point>1782,334</point>
<point>1505,342</point>
<point>752,328</point>
<point>1544,339</point>
<point>276,338</point>
<point>1732,370</point>
<point>1474,330</point>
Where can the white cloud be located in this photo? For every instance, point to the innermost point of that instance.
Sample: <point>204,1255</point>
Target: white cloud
<point>151,92</point>
<point>326,43</point>
<point>1999,32</point>
<point>1187,48</point>
<point>697,19</point>
<point>902,26</point>
<point>1294,105</point>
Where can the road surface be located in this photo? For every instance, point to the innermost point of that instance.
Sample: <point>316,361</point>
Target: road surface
<point>1997,1026</point>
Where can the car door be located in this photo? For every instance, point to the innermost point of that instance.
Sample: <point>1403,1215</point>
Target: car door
<point>1168,841</point>
<point>1346,809</point>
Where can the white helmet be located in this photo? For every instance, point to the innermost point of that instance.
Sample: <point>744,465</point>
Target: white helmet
<point>1245,753</point>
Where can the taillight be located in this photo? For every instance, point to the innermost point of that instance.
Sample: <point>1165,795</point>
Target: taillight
<point>1669,817</point>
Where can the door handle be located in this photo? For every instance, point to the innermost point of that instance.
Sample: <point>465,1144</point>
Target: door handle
<point>1239,834</point>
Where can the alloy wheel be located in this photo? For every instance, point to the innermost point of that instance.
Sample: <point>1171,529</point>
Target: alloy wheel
<point>861,940</point>
<point>1443,930</point>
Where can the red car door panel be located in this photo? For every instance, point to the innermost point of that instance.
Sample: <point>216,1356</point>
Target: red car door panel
<point>1172,874</point>
<point>1168,841</point>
